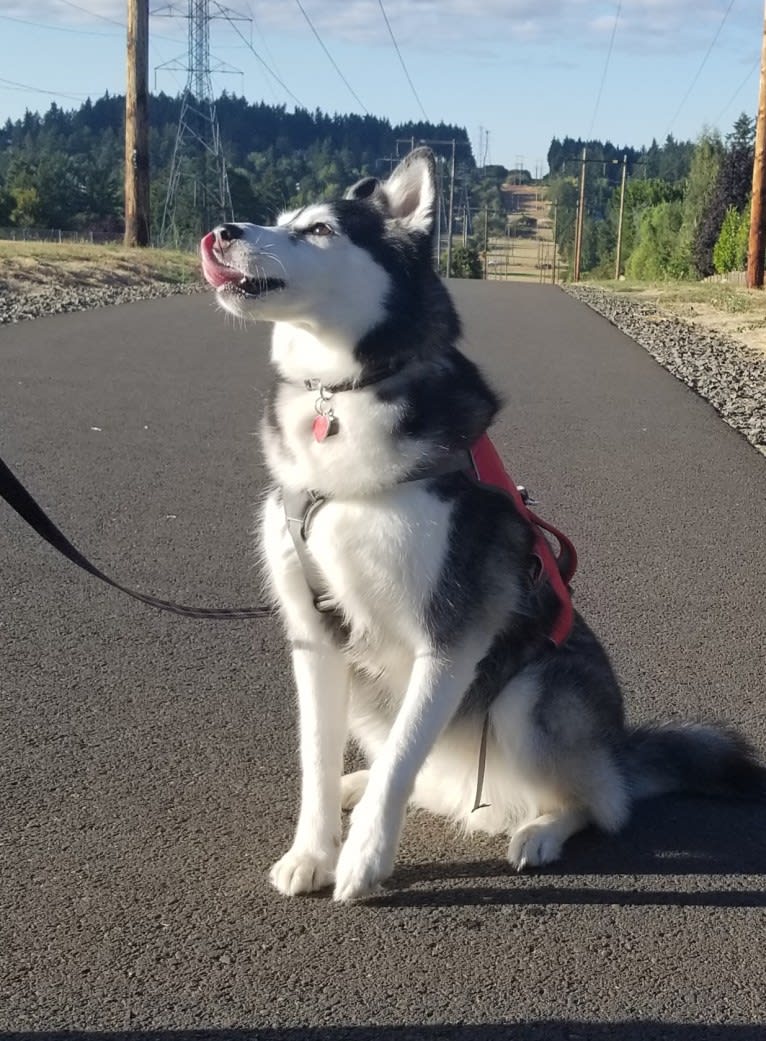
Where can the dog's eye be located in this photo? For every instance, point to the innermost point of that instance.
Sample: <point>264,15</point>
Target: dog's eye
<point>320,228</point>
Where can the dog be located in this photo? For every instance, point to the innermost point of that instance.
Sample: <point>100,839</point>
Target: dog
<point>411,592</point>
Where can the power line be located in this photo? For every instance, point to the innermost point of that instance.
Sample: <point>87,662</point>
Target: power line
<point>267,51</point>
<point>255,53</point>
<point>77,32</point>
<point>606,68</point>
<point>58,28</point>
<point>39,90</point>
<point>332,60</point>
<point>259,30</point>
<point>93,14</point>
<point>401,61</point>
<point>158,36</point>
<point>736,93</point>
<point>702,66</point>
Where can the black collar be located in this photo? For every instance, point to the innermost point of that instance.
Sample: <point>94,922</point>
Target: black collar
<point>369,377</point>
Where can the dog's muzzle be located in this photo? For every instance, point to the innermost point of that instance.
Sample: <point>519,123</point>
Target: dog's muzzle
<point>225,277</point>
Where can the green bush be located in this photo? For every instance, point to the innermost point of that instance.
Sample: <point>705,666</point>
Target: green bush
<point>730,250</point>
<point>466,263</point>
<point>656,255</point>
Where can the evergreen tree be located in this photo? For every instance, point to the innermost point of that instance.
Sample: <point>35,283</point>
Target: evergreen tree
<point>64,169</point>
<point>695,247</point>
<point>731,191</point>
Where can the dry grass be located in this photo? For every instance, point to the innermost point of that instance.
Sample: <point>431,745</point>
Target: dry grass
<point>25,266</point>
<point>516,258</point>
<point>734,310</point>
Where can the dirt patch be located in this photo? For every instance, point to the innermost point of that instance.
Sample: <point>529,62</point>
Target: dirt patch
<point>732,311</point>
<point>525,252</point>
<point>30,267</point>
<point>42,279</point>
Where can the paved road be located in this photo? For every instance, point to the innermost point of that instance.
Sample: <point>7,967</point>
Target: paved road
<point>147,762</point>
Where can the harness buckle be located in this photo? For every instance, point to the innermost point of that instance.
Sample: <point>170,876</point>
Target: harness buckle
<point>526,498</point>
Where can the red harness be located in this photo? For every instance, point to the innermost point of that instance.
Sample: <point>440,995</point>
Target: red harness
<point>488,468</point>
<point>557,568</point>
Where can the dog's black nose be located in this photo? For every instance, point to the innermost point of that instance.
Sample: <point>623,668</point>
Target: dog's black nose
<point>228,232</point>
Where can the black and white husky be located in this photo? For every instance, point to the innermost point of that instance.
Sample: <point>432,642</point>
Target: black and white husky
<point>410,593</point>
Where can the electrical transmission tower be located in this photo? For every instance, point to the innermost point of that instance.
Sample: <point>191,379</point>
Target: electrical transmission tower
<point>198,179</point>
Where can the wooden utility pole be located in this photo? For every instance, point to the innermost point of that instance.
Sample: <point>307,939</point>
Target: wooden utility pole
<point>137,126</point>
<point>555,241</point>
<point>580,218</point>
<point>755,246</point>
<point>450,215</point>
<point>451,211</point>
<point>486,240</point>
<point>618,259</point>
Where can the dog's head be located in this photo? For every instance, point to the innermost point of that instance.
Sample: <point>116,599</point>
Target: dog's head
<point>338,269</point>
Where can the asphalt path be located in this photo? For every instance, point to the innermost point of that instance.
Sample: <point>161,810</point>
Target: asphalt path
<point>148,763</point>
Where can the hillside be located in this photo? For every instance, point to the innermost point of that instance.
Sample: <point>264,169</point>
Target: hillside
<point>64,169</point>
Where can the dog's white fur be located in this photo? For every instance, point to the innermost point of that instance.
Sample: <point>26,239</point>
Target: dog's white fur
<point>406,669</point>
<point>381,547</point>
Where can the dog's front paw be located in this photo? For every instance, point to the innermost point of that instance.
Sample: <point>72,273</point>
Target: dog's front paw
<point>300,871</point>
<point>366,860</point>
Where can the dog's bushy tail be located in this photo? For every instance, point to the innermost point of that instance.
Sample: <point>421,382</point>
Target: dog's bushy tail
<point>694,758</point>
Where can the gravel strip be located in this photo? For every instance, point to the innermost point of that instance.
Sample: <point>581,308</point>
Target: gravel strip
<point>726,373</point>
<point>15,306</point>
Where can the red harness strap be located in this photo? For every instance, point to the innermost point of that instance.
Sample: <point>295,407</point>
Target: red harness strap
<point>558,569</point>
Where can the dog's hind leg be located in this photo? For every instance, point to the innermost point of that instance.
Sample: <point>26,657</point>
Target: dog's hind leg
<point>541,840</point>
<point>352,787</point>
<point>552,742</point>
<point>592,792</point>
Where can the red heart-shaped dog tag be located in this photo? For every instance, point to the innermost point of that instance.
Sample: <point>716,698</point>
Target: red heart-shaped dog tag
<point>324,426</point>
<point>321,427</point>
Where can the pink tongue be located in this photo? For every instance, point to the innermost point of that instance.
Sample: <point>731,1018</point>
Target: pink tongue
<point>216,273</point>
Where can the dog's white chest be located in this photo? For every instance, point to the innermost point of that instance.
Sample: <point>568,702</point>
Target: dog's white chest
<point>380,557</point>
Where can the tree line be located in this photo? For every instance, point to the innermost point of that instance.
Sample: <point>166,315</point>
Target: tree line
<point>64,169</point>
<point>686,207</point>
<point>686,203</point>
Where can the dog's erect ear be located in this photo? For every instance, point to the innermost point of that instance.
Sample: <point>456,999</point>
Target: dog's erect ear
<point>363,189</point>
<point>411,191</point>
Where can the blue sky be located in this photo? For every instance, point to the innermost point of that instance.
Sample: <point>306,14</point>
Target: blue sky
<point>523,70</point>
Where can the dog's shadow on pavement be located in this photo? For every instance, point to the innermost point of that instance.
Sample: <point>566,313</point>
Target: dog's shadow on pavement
<point>540,1030</point>
<point>675,851</point>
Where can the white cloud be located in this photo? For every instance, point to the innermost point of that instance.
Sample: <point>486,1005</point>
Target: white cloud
<point>451,24</point>
<point>63,13</point>
<point>572,23</point>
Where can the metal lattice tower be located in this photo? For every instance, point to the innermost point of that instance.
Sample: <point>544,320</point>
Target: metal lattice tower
<point>198,167</point>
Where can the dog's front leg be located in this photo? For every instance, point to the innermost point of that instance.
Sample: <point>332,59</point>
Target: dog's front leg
<point>434,692</point>
<point>322,680</point>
